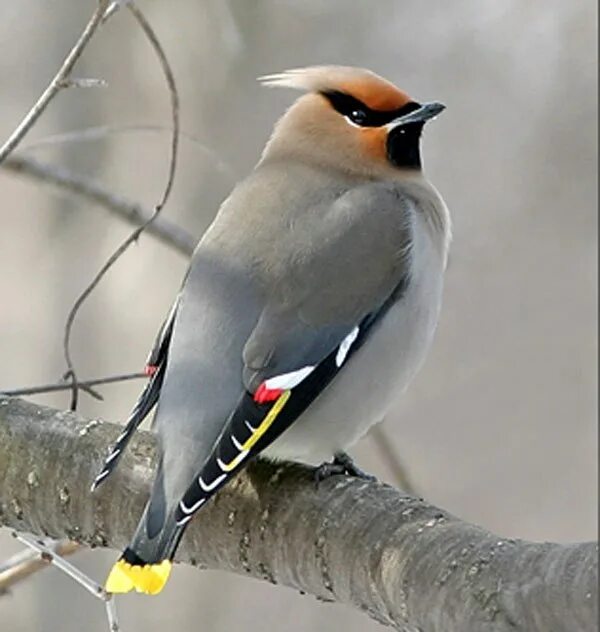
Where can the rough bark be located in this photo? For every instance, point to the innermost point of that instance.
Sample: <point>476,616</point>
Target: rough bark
<point>401,560</point>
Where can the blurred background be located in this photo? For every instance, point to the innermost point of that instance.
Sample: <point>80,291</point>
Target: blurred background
<point>500,425</point>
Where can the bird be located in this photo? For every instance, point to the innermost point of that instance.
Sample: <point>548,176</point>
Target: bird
<point>310,302</point>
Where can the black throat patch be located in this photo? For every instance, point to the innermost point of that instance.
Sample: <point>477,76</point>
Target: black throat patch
<point>403,146</point>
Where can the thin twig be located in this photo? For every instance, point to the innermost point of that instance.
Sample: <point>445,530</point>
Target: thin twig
<point>72,571</point>
<point>111,614</point>
<point>62,386</point>
<point>112,9</point>
<point>30,561</point>
<point>125,208</point>
<point>22,557</point>
<point>90,391</point>
<point>170,79</point>
<point>50,556</point>
<point>174,94</point>
<point>84,82</point>
<point>100,132</point>
<point>56,84</point>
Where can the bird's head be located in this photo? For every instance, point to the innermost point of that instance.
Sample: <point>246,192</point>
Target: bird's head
<point>350,119</point>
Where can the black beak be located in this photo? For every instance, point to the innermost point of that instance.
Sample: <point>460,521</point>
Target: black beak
<point>424,113</point>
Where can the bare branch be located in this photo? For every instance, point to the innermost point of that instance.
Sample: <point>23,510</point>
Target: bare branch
<point>100,132</point>
<point>401,560</point>
<point>112,9</point>
<point>49,555</point>
<point>173,93</point>
<point>62,386</point>
<point>28,562</point>
<point>84,82</point>
<point>57,83</point>
<point>23,557</point>
<point>170,79</point>
<point>126,209</point>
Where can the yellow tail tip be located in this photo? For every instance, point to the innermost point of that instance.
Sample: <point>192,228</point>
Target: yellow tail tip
<point>149,579</point>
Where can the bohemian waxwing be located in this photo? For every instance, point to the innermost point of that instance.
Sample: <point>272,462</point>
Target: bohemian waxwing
<point>308,305</point>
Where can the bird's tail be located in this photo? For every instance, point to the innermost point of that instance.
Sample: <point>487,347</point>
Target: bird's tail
<point>130,572</point>
<point>145,565</point>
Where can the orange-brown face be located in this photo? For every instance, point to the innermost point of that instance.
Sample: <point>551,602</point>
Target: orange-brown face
<point>370,106</point>
<point>373,141</point>
<point>352,119</point>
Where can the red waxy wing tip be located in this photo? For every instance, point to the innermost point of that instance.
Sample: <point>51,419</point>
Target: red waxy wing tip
<point>264,394</point>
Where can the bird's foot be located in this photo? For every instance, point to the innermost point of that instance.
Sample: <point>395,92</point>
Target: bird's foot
<point>343,465</point>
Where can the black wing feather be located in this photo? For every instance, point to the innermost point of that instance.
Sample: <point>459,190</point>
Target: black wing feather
<point>143,406</point>
<point>159,352</point>
<point>146,401</point>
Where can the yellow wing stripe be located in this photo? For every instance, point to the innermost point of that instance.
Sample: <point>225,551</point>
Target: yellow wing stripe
<point>265,424</point>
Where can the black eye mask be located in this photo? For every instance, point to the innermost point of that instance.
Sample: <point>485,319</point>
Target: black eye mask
<point>362,115</point>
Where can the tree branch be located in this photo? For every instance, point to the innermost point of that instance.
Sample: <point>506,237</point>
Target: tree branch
<point>29,562</point>
<point>126,209</point>
<point>63,386</point>
<point>59,81</point>
<point>401,560</point>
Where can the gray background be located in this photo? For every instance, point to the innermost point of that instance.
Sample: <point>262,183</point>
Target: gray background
<point>499,427</point>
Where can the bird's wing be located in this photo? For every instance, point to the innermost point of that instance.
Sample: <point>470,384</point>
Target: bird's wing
<point>158,354</point>
<point>335,287</point>
<point>155,369</point>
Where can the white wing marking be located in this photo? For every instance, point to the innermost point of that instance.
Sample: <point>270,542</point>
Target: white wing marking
<point>190,510</point>
<point>285,381</point>
<point>183,521</point>
<point>211,486</point>
<point>344,347</point>
<point>236,443</point>
<point>113,455</point>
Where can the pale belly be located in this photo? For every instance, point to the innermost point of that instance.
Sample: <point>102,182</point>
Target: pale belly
<point>374,377</point>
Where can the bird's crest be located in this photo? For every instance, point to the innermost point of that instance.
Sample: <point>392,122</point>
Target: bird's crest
<point>373,90</point>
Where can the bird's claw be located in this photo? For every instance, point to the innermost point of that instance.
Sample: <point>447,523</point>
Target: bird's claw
<point>342,464</point>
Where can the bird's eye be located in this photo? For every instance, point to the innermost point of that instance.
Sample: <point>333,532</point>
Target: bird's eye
<point>358,117</point>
